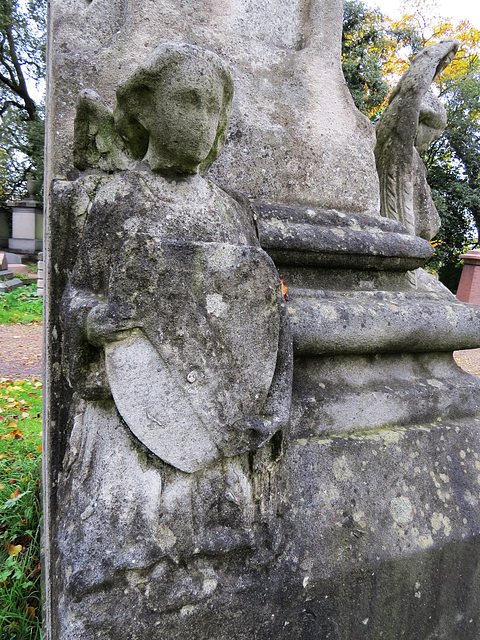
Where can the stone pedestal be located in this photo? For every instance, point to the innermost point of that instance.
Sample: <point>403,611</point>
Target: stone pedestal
<point>27,226</point>
<point>359,518</point>
<point>469,287</point>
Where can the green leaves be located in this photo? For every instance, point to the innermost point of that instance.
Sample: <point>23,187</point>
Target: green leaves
<point>22,65</point>
<point>21,305</point>
<point>20,509</point>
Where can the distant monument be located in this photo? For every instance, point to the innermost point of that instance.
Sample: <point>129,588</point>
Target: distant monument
<point>221,462</point>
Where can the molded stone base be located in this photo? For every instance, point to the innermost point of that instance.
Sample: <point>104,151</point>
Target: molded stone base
<point>379,539</point>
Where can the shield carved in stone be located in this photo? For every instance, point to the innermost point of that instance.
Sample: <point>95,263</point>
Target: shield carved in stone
<point>192,380</point>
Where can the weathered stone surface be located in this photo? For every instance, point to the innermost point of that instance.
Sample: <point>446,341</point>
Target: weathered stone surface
<point>411,121</point>
<point>374,527</point>
<point>373,321</point>
<point>309,237</point>
<point>355,518</point>
<point>289,139</point>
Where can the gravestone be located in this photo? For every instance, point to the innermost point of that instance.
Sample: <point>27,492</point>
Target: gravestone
<point>469,285</point>
<point>27,222</point>
<point>224,459</point>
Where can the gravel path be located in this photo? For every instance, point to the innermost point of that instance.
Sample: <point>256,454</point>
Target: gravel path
<point>21,352</point>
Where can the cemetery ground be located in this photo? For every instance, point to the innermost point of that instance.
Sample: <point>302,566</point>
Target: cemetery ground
<point>20,451</point>
<point>20,458</point>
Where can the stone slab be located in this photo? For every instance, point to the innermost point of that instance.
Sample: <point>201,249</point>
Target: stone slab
<point>10,284</point>
<point>21,269</point>
<point>6,274</point>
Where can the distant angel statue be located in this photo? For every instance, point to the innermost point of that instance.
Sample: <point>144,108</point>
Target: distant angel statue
<point>413,118</point>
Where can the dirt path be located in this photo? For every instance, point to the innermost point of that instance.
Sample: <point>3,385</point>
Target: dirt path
<point>21,353</point>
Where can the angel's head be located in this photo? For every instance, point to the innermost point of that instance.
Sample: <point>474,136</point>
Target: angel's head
<point>173,111</point>
<point>432,120</point>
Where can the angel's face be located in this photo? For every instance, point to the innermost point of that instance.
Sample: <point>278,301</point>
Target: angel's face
<point>176,112</point>
<point>183,118</point>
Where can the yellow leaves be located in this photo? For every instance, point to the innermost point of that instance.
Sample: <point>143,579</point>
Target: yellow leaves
<point>421,19</point>
<point>39,448</point>
<point>15,494</point>
<point>15,433</point>
<point>14,549</point>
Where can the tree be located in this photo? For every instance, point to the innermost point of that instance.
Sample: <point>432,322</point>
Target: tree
<point>22,66</point>
<point>453,164</point>
<point>364,44</point>
<point>453,161</point>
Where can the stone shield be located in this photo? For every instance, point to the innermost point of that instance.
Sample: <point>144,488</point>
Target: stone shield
<point>192,379</point>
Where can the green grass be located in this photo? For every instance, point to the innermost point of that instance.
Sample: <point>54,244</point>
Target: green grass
<point>21,305</point>
<point>20,510</point>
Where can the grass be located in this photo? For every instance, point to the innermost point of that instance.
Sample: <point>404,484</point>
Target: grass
<point>20,510</point>
<point>21,305</point>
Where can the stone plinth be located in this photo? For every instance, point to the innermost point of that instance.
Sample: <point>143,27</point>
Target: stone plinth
<point>469,287</point>
<point>27,226</point>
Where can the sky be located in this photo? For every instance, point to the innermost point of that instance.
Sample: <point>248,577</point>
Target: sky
<point>458,10</point>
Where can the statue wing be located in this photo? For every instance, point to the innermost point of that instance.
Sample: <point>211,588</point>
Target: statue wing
<point>96,143</point>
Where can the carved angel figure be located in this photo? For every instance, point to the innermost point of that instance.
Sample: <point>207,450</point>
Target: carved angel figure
<point>173,307</point>
<point>413,119</point>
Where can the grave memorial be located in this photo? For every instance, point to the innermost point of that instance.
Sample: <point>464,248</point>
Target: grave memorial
<point>219,461</point>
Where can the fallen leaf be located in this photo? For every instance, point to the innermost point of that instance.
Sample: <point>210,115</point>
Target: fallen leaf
<point>16,433</point>
<point>30,615</point>
<point>15,494</point>
<point>14,549</point>
<point>39,447</point>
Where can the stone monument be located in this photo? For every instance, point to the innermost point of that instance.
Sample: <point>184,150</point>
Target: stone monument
<point>193,488</point>
<point>27,222</point>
